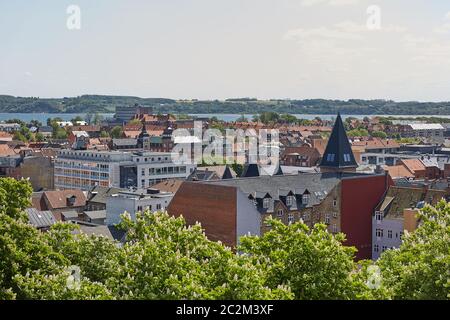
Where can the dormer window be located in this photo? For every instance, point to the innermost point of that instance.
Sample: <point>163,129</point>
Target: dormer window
<point>378,216</point>
<point>266,203</point>
<point>305,198</point>
<point>289,200</point>
<point>330,157</point>
<point>347,157</point>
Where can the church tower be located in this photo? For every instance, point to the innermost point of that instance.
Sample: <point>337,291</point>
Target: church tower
<point>338,155</point>
<point>143,140</point>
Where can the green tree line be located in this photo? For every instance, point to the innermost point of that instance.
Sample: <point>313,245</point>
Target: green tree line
<point>163,258</point>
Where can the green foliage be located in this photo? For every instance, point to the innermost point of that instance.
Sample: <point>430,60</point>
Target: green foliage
<point>358,133</point>
<point>379,134</point>
<point>116,132</point>
<point>408,140</point>
<point>19,137</point>
<point>313,263</point>
<point>39,137</point>
<point>162,258</point>
<point>135,122</point>
<point>420,268</point>
<point>76,120</point>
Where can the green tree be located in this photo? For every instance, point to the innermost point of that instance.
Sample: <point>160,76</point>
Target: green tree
<point>312,262</point>
<point>358,133</point>
<point>420,268</point>
<point>135,122</point>
<point>39,137</point>
<point>19,137</point>
<point>76,119</point>
<point>116,132</point>
<point>104,134</point>
<point>379,134</point>
<point>98,118</point>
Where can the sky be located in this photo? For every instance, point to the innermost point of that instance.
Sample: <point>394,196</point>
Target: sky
<point>218,49</point>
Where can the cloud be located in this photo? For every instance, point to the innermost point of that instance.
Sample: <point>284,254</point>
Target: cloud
<point>310,3</point>
<point>444,28</point>
<point>345,30</point>
<point>28,74</point>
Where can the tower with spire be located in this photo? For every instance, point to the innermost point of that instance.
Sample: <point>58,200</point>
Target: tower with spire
<point>143,140</point>
<point>338,155</point>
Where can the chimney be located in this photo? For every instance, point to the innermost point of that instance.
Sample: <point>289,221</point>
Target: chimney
<point>70,200</point>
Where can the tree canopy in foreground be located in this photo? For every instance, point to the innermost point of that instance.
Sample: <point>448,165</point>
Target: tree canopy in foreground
<point>162,258</point>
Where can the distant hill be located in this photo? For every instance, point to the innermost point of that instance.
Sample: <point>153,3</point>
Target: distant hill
<point>107,104</point>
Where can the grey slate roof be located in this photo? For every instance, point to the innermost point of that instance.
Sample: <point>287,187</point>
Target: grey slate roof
<point>40,219</point>
<point>94,215</point>
<point>70,214</point>
<point>101,194</point>
<point>110,232</point>
<point>338,153</point>
<point>317,184</point>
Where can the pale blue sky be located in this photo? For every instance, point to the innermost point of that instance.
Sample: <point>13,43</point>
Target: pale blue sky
<point>210,49</point>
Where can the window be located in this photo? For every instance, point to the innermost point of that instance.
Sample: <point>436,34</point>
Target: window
<point>139,208</point>
<point>376,248</point>
<point>335,215</point>
<point>143,172</point>
<point>334,228</point>
<point>289,201</point>
<point>327,218</point>
<point>334,203</point>
<point>307,216</point>
<point>390,234</point>
<point>142,183</point>
<point>305,198</point>
<point>280,212</point>
<point>379,233</point>
<point>290,218</point>
<point>347,157</point>
<point>158,206</point>
<point>330,157</point>
<point>378,216</point>
<point>384,249</point>
<point>266,202</point>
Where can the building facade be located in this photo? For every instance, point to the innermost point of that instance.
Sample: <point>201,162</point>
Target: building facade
<point>87,169</point>
<point>135,201</point>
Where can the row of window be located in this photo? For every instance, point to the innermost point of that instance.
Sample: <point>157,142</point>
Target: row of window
<point>376,248</point>
<point>332,156</point>
<point>289,200</point>
<point>380,234</point>
<point>150,207</point>
<point>151,159</point>
<point>165,170</point>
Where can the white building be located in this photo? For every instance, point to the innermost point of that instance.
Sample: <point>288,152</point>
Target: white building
<point>135,201</point>
<point>148,168</point>
<point>81,169</point>
<point>84,169</point>
<point>431,131</point>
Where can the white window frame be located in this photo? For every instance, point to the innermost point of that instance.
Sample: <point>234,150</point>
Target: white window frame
<point>379,233</point>
<point>266,203</point>
<point>291,218</point>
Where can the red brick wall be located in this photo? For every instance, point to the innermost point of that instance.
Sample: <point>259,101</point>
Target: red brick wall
<point>215,207</point>
<point>360,196</point>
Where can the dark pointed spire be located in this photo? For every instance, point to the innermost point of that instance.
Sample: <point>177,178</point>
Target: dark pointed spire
<point>227,173</point>
<point>338,153</point>
<point>250,170</point>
